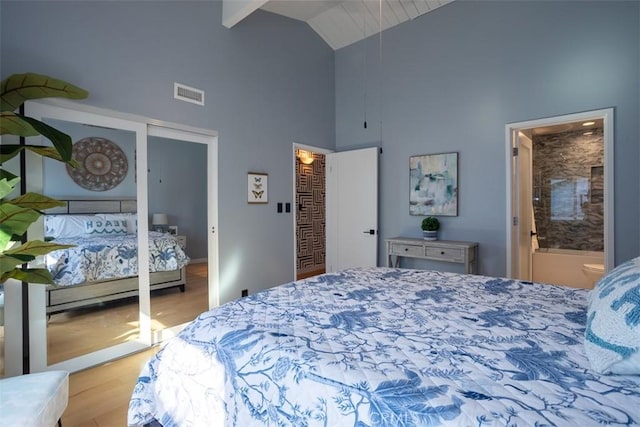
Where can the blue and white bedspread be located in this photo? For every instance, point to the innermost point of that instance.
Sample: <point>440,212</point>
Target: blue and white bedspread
<point>386,347</point>
<point>111,257</point>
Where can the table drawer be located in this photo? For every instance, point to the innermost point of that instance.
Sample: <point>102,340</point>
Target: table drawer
<point>454,254</point>
<point>407,250</point>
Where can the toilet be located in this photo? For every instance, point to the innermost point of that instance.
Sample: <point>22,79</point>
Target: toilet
<point>593,272</point>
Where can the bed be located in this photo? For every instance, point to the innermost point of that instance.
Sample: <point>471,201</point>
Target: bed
<point>102,264</point>
<point>391,347</point>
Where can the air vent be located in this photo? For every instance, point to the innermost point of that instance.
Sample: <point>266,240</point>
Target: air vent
<point>188,94</point>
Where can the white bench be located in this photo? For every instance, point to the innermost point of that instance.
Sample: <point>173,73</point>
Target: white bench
<point>36,400</point>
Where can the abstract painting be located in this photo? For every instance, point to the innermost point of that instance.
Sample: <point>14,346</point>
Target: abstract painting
<point>257,187</point>
<point>433,179</point>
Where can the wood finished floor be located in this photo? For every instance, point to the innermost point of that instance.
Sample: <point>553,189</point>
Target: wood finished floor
<point>100,396</point>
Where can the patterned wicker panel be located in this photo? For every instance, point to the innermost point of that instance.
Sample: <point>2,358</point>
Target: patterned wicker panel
<point>310,205</point>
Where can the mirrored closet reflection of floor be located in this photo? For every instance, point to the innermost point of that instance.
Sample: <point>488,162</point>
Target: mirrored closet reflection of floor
<point>82,331</point>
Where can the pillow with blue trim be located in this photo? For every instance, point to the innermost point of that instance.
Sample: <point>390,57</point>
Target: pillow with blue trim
<point>130,218</point>
<point>105,227</point>
<point>612,335</point>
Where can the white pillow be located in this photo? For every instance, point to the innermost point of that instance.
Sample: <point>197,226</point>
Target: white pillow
<point>612,335</point>
<point>130,218</point>
<point>105,227</point>
<point>65,226</point>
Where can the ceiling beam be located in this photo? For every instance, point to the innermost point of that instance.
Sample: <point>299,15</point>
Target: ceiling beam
<point>234,11</point>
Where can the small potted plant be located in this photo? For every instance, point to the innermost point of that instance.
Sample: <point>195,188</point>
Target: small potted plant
<point>430,227</point>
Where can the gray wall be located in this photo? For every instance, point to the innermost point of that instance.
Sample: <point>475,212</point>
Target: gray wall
<point>269,81</point>
<point>452,79</point>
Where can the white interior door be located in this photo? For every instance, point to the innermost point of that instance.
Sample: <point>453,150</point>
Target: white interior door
<point>352,209</point>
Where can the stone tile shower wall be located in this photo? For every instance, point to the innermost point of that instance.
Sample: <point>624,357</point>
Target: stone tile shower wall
<point>310,205</point>
<point>568,190</point>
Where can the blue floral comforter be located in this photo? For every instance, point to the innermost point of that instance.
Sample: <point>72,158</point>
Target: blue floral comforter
<point>386,347</point>
<point>111,257</point>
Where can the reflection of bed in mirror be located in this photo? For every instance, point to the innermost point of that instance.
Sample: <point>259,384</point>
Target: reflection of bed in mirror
<point>102,265</point>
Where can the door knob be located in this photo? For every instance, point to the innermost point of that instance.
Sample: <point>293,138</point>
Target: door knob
<point>533,233</point>
<point>371,231</point>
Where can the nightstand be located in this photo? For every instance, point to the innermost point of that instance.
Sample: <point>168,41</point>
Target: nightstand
<point>182,241</point>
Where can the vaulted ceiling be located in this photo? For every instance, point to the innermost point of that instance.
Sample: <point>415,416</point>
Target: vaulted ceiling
<point>339,22</point>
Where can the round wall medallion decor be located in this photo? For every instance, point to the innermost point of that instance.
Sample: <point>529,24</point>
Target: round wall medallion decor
<point>103,165</point>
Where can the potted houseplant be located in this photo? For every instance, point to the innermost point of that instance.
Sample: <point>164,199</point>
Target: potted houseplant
<point>18,213</point>
<point>430,227</point>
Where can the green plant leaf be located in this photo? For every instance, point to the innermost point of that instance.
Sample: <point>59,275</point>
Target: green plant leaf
<point>15,220</point>
<point>7,185</point>
<point>18,214</point>
<point>23,258</point>
<point>9,260</point>
<point>61,141</point>
<point>31,275</point>
<point>50,152</point>
<point>9,151</point>
<point>34,248</point>
<point>8,176</point>
<point>36,202</point>
<point>18,88</point>
<point>13,124</point>
<point>5,238</point>
<point>8,263</point>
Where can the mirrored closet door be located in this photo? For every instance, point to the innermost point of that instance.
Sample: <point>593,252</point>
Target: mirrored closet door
<point>93,311</point>
<point>108,299</point>
<point>178,193</point>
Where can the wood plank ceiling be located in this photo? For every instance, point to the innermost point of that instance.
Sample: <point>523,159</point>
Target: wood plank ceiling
<point>341,23</point>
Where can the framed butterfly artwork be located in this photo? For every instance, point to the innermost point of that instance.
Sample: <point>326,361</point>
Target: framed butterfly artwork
<point>257,187</point>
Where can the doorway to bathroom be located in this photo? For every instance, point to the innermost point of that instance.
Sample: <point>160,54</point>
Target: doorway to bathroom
<point>560,198</point>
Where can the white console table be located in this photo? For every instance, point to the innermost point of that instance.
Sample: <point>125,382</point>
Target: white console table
<point>438,250</point>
